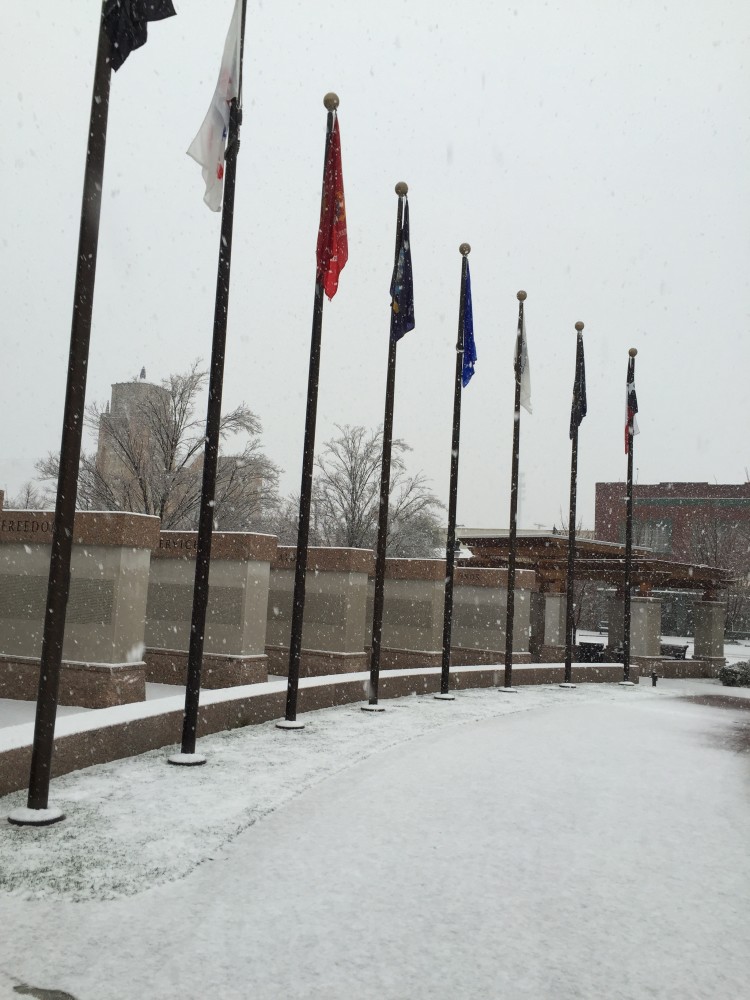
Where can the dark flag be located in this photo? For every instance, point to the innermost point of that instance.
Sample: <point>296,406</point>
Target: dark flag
<point>402,284</point>
<point>333,247</point>
<point>631,404</point>
<point>578,409</point>
<point>126,23</point>
<point>470,348</point>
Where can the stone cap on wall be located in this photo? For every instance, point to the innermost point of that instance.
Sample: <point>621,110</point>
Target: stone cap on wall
<point>475,576</point>
<point>415,569</point>
<point>119,529</point>
<point>233,546</point>
<point>327,559</point>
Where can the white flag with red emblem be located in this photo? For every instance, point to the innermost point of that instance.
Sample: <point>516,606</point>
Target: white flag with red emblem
<point>207,148</point>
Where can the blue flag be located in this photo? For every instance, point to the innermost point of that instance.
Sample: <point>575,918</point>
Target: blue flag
<point>470,348</point>
<point>402,284</point>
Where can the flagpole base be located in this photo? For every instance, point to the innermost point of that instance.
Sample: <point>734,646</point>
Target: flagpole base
<point>292,725</point>
<point>568,686</point>
<point>372,708</point>
<point>510,690</point>
<point>35,817</point>
<point>444,697</point>
<point>187,759</point>
<point>627,684</point>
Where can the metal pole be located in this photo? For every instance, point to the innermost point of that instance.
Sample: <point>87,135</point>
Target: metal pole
<point>521,296</point>
<point>331,102</point>
<point>628,544</point>
<point>385,485</point>
<point>569,619</point>
<point>187,755</point>
<point>450,554</point>
<point>70,448</point>
<point>569,601</point>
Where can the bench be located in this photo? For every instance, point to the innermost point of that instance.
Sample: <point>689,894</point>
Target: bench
<point>590,652</point>
<point>672,652</point>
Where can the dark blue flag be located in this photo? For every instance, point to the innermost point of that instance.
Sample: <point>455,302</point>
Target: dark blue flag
<point>125,22</point>
<point>470,348</point>
<point>578,407</point>
<point>402,284</point>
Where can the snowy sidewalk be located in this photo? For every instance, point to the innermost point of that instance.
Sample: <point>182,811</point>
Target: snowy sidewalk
<point>548,844</point>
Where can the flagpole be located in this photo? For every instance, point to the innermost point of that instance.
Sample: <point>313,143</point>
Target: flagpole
<point>38,812</point>
<point>510,606</point>
<point>450,554</point>
<point>628,540</point>
<point>187,755</point>
<point>385,488</point>
<point>569,607</point>
<point>331,103</point>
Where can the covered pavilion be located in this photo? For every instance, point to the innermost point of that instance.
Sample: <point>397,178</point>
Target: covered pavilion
<point>546,554</point>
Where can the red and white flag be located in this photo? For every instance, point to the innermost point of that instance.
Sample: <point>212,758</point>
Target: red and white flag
<point>208,147</point>
<point>333,245</point>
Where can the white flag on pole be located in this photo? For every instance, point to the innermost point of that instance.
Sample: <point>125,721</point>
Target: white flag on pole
<point>523,355</point>
<point>207,148</point>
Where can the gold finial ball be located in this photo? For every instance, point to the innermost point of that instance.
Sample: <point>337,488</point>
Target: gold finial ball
<point>579,326</point>
<point>464,249</point>
<point>633,351</point>
<point>521,296</point>
<point>331,101</point>
<point>402,188</point>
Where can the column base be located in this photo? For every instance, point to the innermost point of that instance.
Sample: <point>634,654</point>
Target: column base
<point>85,685</point>
<point>552,654</point>
<point>218,670</point>
<point>187,759</point>
<point>35,817</point>
<point>317,662</point>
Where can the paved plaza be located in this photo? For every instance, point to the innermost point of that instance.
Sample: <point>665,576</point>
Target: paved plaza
<point>547,844</point>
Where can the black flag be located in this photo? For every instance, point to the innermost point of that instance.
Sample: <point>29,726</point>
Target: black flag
<point>125,22</point>
<point>578,408</point>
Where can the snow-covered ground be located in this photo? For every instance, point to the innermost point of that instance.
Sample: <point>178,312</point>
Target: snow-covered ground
<point>547,844</point>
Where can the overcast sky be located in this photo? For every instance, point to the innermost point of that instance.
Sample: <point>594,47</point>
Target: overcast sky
<point>594,154</point>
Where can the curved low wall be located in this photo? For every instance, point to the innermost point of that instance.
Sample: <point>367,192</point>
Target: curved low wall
<point>126,730</point>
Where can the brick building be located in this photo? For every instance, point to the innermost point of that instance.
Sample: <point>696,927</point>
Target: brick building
<point>690,522</point>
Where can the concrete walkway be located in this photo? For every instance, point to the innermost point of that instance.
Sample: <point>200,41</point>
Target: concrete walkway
<point>593,847</point>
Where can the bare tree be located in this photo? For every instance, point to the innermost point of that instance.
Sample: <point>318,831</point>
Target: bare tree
<point>150,459</point>
<point>29,497</point>
<point>346,493</point>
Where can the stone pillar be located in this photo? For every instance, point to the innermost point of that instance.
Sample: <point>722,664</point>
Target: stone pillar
<point>103,647</point>
<point>553,647</point>
<point>479,615</point>
<point>645,629</point>
<point>234,643</point>
<point>334,627</point>
<point>709,632</point>
<point>413,613</point>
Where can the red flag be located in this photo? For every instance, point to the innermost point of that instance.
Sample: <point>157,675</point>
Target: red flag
<point>333,248</point>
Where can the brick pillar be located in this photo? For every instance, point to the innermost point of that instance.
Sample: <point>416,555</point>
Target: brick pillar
<point>553,650</point>
<point>334,633</point>
<point>645,629</point>
<point>234,643</point>
<point>103,647</point>
<point>479,615</point>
